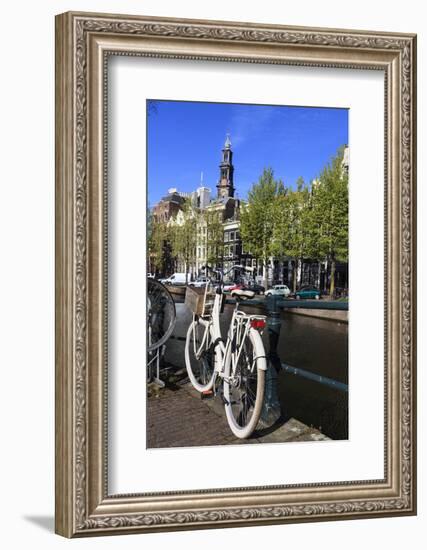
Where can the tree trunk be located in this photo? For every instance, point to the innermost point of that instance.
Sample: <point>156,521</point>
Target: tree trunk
<point>332,286</point>
<point>299,271</point>
<point>294,277</point>
<point>325,277</point>
<point>264,275</point>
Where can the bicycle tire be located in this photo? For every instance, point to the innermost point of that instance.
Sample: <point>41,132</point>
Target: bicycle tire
<point>200,372</point>
<point>161,314</point>
<point>251,400</point>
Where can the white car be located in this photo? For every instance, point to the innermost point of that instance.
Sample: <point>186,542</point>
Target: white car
<point>278,290</point>
<point>200,282</point>
<point>176,279</point>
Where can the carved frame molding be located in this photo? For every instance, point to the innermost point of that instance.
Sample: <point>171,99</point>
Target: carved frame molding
<point>83,43</point>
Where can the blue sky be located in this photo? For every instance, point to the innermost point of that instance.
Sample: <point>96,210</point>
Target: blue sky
<point>186,138</point>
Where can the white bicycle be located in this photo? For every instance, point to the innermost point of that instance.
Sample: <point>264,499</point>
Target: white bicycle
<point>236,366</point>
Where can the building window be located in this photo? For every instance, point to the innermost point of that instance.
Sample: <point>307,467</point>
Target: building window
<point>226,237</point>
<point>231,235</point>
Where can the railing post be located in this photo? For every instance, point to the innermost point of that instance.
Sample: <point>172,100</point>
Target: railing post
<point>271,410</point>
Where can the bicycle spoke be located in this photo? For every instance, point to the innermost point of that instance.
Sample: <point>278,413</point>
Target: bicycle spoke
<point>245,388</point>
<point>160,314</point>
<point>200,355</point>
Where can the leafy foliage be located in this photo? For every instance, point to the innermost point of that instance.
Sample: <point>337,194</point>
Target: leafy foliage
<point>330,211</point>
<point>158,245</point>
<point>257,221</point>
<point>183,236</point>
<point>214,238</point>
<point>330,214</point>
<point>308,222</point>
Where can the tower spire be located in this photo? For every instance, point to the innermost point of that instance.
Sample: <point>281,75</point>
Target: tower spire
<point>226,171</point>
<point>227,144</point>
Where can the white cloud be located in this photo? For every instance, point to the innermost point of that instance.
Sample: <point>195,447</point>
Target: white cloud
<point>248,122</point>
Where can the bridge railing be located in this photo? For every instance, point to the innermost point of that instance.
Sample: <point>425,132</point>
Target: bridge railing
<point>273,306</point>
<point>274,302</point>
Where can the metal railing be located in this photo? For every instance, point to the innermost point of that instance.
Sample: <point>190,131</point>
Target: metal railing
<point>273,306</point>
<point>274,302</point>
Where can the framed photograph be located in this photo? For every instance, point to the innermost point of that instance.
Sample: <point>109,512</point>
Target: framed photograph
<point>235,274</point>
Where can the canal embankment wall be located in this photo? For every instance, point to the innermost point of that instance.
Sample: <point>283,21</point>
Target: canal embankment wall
<point>332,315</point>
<point>318,312</point>
<point>340,316</point>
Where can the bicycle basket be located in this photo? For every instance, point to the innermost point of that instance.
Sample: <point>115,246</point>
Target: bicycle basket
<point>200,300</point>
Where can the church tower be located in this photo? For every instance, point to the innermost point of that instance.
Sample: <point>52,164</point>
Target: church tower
<point>225,185</point>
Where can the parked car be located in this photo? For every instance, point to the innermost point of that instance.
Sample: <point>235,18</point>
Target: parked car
<point>278,290</point>
<point>199,282</point>
<point>176,279</point>
<point>340,292</point>
<point>258,289</point>
<point>309,292</point>
<point>232,286</point>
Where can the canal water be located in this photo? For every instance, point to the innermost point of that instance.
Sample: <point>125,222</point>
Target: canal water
<point>321,347</point>
<point>316,345</point>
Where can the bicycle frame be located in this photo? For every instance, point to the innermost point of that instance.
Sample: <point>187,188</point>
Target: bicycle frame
<point>235,367</point>
<point>240,324</point>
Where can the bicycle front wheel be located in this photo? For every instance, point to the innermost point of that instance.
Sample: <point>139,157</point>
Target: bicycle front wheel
<point>161,315</point>
<point>200,354</point>
<point>244,383</point>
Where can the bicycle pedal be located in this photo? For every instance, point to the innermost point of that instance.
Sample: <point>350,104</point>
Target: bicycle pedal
<point>208,394</point>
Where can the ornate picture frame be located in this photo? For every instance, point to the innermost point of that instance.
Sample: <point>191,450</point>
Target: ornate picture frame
<point>83,44</point>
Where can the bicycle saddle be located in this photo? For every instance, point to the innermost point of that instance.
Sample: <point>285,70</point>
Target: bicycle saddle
<point>242,294</point>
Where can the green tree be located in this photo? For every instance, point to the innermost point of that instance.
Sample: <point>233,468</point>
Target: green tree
<point>214,238</point>
<point>158,245</point>
<point>282,224</point>
<point>302,234</point>
<point>258,219</point>
<point>294,234</point>
<point>330,214</point>
<point>183,236</point>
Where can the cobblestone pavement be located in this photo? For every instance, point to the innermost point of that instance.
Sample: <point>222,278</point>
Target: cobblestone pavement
<point>177,416</point>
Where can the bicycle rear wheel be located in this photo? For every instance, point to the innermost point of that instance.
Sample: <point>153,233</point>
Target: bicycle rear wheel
<point>244,383</point>
<point>200,354</point>
<point>161,314</point>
